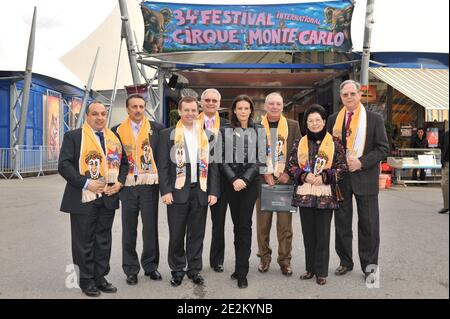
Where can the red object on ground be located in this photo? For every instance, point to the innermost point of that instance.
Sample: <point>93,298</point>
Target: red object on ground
<point>388,181</point>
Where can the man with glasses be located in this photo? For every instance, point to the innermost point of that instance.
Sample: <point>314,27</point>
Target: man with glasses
<point>212,122</point>
<point>363,135</point>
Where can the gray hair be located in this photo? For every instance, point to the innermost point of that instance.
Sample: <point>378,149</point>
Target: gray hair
<point>210,90</point>
<point>272,94</point>
<point>356,84</point>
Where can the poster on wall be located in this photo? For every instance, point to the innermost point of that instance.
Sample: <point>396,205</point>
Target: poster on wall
<point>369,94</point>
<point>75,108</point>
<point>316,26</point>
<point>53,126</point>
<point>433,137</point>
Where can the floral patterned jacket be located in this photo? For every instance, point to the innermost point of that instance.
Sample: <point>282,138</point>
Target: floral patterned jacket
<point>330,176</point>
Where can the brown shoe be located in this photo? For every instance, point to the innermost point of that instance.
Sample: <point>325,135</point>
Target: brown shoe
<point>342,270</point>
<point>286,270</point>
<point>321,280</point>
<point>307,275</point>
<point>264,266</point>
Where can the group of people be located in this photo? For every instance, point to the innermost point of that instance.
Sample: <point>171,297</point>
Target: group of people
<point>206,160</point>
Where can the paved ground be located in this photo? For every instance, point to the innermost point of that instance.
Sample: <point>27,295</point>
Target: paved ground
<point>35,249</point>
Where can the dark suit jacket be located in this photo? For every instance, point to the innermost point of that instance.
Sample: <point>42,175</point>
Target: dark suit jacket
<point>365,181</point>
<point>154,140</point>
<point>167,173</point>
<point>68,168</point>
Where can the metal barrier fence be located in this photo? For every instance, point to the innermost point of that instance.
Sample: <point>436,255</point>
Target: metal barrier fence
<point>28,160</point>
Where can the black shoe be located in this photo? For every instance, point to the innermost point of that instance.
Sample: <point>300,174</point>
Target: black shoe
<point>197,279</point>
<point>107,287</point>
<point>443,211</point>
<point>321,280</point>
<point>234,276</point>
<point>218,268</point>
<point>91,291</point>
<point>154,275</point>
<point>307,275</point>
<point>132,280</point>
<point>176,281</point>
<point>342,270</point>
<point>242,283</point>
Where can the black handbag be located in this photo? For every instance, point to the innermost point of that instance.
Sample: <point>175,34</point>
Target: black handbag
<point>277,198</point>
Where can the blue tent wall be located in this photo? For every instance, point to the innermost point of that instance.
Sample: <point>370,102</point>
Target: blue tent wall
<point>34,130</point>
<point>34,125</point>
<point>4,114</point>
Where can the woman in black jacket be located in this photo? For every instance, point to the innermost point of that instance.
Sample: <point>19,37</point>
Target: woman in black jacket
<point>241,168</point>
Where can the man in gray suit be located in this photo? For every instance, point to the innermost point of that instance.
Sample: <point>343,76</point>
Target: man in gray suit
<point>364,137</point>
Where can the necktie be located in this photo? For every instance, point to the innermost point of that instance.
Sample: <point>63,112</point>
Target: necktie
<point>209,123</point>
<point>102,140</point>
<point>347,125</point>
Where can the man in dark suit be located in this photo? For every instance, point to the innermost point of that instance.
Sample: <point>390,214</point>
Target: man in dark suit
<point>91,222</point>
<point>274,107</point>
<point>363,160</point>
<point>180,183</point>
<point>139,195</point>
<point>210,101</point>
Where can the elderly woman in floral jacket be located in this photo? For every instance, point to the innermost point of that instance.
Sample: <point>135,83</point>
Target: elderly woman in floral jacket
<point>317,161</point>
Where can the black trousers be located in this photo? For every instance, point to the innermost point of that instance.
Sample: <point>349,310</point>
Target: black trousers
<point>91,243</point>
<point>316,238</point>
<point>144,199</point>
<point>186,220</point>
<point>368,227</point>
<point>218,216</point>
<point>242,205</point>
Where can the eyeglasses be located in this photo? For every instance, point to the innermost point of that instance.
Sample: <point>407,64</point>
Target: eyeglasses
<point>211,100</point>
<point>352,94</point>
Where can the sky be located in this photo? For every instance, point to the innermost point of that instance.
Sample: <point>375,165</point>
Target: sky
<point>400,25</point>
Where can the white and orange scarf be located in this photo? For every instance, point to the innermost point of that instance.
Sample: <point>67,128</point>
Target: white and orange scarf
<point>94,164</point>
<point>276,168</point>
<point>324,160</point>
<point>139,152</point>
<point>356,139</point>
<point>180,155</point>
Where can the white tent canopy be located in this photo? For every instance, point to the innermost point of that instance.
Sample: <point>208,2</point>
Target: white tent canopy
<point>69,33</point>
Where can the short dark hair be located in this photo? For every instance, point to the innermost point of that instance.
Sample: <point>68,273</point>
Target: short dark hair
<point>134,96</point>
<point>187,99</point>
<point>94,102</point>
<point>314,108</point>
<point>234,120</point>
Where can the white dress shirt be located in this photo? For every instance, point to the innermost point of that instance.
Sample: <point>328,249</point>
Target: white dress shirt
<point>190,137</point>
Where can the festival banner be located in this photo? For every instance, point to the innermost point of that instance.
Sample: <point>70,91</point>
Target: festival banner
<point>53,126</point>
<point>316,26</point>
<point>75,108</point>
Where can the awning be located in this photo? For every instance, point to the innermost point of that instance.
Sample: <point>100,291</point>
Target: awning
<point>427,87</point>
